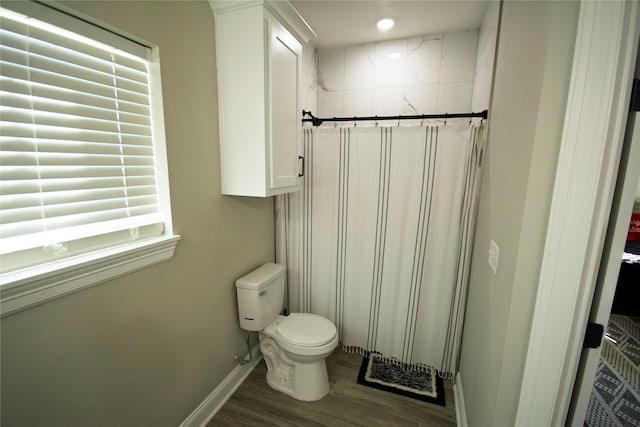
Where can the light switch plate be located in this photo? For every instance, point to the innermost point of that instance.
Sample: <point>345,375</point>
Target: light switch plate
<point>494,253</point>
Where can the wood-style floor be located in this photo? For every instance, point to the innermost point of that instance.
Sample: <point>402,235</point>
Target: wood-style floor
<point>348,403</point>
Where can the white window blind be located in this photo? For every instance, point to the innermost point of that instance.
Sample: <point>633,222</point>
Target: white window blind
<point>77,166</point>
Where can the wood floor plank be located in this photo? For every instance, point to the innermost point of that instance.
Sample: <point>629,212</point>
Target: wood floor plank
<point>348,403</point>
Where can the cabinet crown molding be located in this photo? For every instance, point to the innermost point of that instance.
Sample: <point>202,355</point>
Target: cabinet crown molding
<point>283,10</point>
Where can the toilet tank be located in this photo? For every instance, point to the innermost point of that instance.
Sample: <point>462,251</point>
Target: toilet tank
<point>260,296</point>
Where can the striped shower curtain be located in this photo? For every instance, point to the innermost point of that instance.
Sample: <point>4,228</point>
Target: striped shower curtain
<point>379,238</point>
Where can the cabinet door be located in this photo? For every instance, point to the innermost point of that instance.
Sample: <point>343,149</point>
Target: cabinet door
<point>284,139</point>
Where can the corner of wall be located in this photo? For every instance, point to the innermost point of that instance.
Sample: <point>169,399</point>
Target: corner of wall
<point>458,396</point>
<point>219,396</point>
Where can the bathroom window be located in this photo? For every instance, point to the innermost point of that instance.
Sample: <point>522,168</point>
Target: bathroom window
<point>83,177</point>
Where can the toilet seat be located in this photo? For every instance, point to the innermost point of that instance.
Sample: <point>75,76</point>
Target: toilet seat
<point>303,334</point>
<point>306,330</point>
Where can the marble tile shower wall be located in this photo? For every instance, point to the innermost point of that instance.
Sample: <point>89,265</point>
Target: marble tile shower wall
<point>433,74</point>
<point>484,62</point>
<point>309,78</point>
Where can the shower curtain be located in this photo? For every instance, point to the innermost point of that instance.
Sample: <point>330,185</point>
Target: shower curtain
<point>379,238</point>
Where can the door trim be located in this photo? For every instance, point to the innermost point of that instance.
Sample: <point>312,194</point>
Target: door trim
<point>610,265</point>
<point>592,139</point>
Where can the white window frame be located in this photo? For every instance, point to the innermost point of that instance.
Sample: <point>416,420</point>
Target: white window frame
<point>24,288</point>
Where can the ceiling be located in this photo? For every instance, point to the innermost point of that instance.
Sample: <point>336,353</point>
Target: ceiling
<point>347,22</point>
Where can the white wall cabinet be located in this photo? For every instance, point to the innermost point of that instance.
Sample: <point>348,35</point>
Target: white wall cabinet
<point>259,59</point>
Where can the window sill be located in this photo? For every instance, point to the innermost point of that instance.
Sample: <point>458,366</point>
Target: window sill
<point>25,288</point>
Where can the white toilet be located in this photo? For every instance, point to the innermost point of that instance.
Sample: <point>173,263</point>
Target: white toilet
<point>294,346</point>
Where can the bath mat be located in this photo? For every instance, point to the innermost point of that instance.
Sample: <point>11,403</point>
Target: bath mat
<point>417,383</point>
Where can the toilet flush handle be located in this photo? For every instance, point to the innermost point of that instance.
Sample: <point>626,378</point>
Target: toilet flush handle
<point>262,293</point>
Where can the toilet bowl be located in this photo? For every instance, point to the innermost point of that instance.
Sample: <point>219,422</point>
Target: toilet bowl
<point>294,347</point>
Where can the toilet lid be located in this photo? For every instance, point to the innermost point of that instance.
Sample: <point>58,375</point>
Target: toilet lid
<point>307,330</point>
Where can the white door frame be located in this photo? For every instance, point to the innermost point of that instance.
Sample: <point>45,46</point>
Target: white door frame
<point>592,139</point>
<point>610,266</point>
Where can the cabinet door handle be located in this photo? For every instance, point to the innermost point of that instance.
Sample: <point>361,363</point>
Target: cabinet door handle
<point>302,159</point>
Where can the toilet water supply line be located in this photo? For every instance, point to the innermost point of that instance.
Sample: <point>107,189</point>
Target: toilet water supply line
<point>243,360</point>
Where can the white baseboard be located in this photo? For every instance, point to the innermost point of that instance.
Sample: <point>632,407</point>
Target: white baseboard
<point>461,412</point>
<point>218,397</point>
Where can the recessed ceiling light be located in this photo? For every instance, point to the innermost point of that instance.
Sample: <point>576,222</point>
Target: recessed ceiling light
<point>385,24</point>
<point>395,55</point>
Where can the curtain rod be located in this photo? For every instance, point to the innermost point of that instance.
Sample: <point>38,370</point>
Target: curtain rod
<point>317,121</point>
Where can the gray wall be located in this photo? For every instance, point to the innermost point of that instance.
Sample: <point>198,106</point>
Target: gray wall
<point>147,348</point>
<point>533,64</point>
